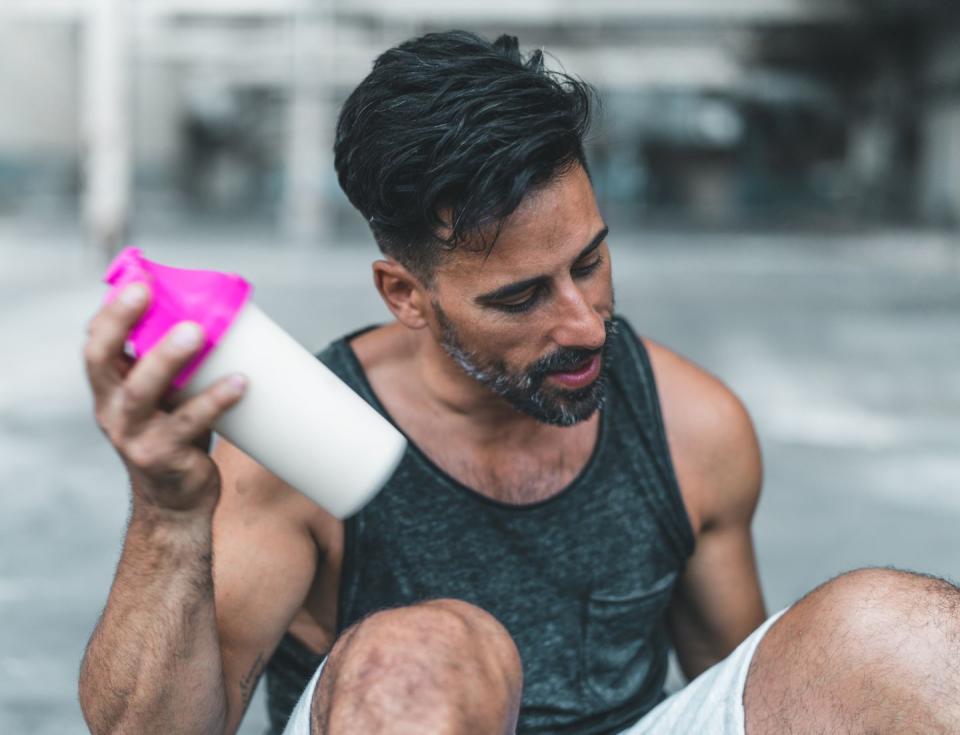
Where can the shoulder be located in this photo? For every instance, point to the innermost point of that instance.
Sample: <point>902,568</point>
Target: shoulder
<point>711,437</point>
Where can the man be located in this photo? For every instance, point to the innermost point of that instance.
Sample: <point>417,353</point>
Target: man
<point>574,499</point>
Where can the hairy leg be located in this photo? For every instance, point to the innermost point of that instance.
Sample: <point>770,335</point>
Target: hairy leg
<point>873,651</point>
<point>442,667</point>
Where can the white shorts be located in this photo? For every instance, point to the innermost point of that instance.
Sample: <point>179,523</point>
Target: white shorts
<point>711,704</point>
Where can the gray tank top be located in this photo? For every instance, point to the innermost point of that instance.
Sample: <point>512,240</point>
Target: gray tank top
<point>582,580</point>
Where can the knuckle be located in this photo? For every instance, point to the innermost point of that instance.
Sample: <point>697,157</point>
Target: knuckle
<point>186,419</point>
<point>117,438</point>
<point>144,454</point>
<point>107,420</point>
<point>195,415</point>
<point>93,352</point>
<point>93,323</point>
<point>102,417</point>
<point>133,395</point>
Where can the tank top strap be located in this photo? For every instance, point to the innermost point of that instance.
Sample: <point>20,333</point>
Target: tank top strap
<point>639,418</point>
<point>339,357</point>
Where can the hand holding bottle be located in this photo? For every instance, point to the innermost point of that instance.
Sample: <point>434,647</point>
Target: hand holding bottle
<point>297,419</point>
<point>164,448</point>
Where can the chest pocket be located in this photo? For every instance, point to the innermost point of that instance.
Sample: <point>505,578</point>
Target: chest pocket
<point>624,643</point>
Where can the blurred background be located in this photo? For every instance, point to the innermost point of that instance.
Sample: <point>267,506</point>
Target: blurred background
<point>781,178</point>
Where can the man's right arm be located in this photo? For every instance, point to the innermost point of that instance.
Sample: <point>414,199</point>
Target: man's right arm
<point>157,659</point>
<point>181,646</point>
<point>153,663</point>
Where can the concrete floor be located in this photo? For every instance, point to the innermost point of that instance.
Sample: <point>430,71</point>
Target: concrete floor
<point>845,350</point>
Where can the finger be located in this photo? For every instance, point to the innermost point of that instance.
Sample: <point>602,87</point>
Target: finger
<point>195,418</point>
<point>103,351</point>
<point>150,378</point>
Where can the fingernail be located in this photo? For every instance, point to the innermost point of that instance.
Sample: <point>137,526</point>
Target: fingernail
<point>236,384</point>
<point>134,294</point>
<point>186,334</point>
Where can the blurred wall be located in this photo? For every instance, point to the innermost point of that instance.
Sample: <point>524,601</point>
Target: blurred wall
<point>40,85</point>
<point>729,114</point>
<point>39,124</point>
<point>940,177</point>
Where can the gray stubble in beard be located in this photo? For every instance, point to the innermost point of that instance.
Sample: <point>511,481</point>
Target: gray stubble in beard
<point>527,392</point>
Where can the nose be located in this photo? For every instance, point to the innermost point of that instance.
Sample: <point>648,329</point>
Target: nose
<point>578,322</point>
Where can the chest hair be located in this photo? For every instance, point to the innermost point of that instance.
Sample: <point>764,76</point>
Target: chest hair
<point>515,477</point>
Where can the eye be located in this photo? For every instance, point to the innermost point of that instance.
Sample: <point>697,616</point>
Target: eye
<point>586,270</point>
<point>523,304</point>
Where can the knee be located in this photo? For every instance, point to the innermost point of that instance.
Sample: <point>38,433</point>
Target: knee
<point>877,598</point>
<point>467,627</point>
<point>870,646</point>
<point>444,664</point>
<point>882,615</point>
<point>432,639</point>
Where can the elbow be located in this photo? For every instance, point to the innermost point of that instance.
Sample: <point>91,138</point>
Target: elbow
<point>98,716</point>
<point>107,711</point>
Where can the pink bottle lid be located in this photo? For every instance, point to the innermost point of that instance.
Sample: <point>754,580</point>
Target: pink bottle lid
<point>209,298</point>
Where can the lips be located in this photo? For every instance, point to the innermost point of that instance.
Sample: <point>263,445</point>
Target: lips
<point>579,378</point>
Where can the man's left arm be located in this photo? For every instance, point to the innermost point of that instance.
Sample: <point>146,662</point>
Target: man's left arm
<point>718,601</point>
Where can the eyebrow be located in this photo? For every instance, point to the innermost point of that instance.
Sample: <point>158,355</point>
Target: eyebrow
<point>514,289</point>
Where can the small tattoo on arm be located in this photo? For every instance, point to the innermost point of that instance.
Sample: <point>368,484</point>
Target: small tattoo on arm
<point>248,682</point>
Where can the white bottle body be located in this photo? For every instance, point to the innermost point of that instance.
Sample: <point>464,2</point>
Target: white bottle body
<point>298,419</point>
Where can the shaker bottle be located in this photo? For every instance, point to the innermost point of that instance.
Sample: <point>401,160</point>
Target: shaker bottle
<point>296,417</point>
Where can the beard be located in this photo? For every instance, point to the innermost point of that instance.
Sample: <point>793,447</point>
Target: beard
<point>528,390</point>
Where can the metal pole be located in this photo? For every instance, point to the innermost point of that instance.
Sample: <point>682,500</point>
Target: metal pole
<point>309,158</point>
<point>106,124</point>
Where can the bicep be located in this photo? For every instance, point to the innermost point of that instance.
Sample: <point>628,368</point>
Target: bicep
<point>715,451</point>
<point>718,601</point>
<point>264,562</point>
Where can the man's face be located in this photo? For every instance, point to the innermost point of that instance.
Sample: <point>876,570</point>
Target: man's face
<point>531,321</point>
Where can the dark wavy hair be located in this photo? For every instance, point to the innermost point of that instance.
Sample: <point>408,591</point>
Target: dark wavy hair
<point>447,135</point>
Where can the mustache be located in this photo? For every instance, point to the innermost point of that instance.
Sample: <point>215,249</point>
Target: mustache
<point>567,359</point>
<point>563,360</point>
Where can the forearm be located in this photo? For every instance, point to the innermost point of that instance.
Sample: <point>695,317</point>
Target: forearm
<point>153,664</point>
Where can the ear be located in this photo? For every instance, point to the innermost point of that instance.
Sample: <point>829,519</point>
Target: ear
<point>402,292</point>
